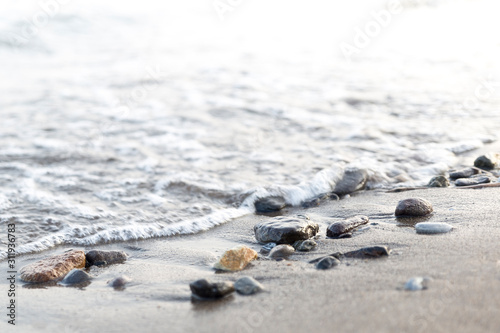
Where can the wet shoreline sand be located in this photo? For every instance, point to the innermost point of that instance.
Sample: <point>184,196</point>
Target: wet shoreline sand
<point>357,296</point>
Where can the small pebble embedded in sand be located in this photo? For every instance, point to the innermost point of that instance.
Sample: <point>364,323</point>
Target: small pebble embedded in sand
<point>417,283</point>
<point>413,207</point>
<point>327,263</point>
<point>304,245</point>
<point>76,276</point>
<point>281,251</point>
<point>432,228</point>
<point>247,286</point>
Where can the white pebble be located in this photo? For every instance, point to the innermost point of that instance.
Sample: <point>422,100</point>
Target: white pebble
<point>417,283</point>
<point>432,228</point>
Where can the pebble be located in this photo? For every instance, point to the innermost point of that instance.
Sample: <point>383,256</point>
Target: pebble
<point>267,248</point>
<point>463,173</point>
<point>247,286</point>
<point>285,230</point>
<point>432,227</point>
<point>369,252</point>
<point>417,283</point>
<point>281,251</point>
<point>488,161</point>
<point>337,229</point>
<point>304,245</point>
<point>99,257</point>
<point>119,282</point>
<point>270,204</point>
<point>54,267</point>
<point>236,259</point>
<point>472,181</point>
<point>354,179</point>
<point>413,207</point>
<point>327,263</point>
<point>76,276</point>
<point>438,181</point>
<point>204,289</point>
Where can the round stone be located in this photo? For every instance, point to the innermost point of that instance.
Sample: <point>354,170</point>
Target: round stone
<point>413,207</point>
<point>432,228</point>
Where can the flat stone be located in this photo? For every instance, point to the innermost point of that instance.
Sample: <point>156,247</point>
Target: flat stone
<point>472,181</point>
<point>270,204</point>
<point>247,286</point>
<point>354,179</point>
<point>76,276</point>
<point>369,252</point>
<point>267,248</point>
<point>463,173</point>
<point>119,282</point>
<point>304,245</point>
<point>99,258</point>
<point>281,251</point>
<point>285,230</point>
<point>327,263</point>
<point>337,229</point>
<point>204,289</point>
<point>413,207</point>
<point>488,161</point>
<point>54,267</point>
<point>438,181</point>
<point>236,259</point>
<point>432,228</point>
<point>417,283</point>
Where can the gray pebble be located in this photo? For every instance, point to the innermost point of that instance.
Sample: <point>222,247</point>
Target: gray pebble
<point>304,245</point>
<point>119,282</point>
<point>463,173</point>
<point>270,204</point>
<point>417,283</point>
<point>281,251</point>
<point>472,181</point>
<point>432,228</point>
<point>327,263</point>
<point>267,248</point>
<point>247,286</point>
<point>285,230</point>
<point>76,276</point>
<point>337,229</point>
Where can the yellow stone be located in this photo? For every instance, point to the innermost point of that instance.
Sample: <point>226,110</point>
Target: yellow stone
<point>236,259</point>
<point>54,267</point>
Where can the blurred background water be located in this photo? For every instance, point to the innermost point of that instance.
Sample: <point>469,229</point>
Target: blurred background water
<point>129,120</point>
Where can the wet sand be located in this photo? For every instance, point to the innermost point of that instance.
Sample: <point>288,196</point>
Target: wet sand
<point>357,296</point>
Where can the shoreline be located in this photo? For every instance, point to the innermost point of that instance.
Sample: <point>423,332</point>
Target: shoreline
<point>358,295</point>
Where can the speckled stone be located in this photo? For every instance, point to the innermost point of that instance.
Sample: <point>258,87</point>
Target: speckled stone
<point>304,245</point>
<point>413,207</point>
<point>438,181</point>
<point>54,267</point>
<point>236,259</point>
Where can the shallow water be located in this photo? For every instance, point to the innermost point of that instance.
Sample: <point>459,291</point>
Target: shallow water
<point>145,120</point>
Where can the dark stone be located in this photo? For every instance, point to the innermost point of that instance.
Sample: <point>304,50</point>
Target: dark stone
<point>488,161</point>
<point>369,252</point>
<point>413,207</point>
<point>336,229</point>
<point>76,276</point>
<point>119,282</point>
<point>337,255</point>
<point>463,173</point>
<point>327,263</point>
<point>95,257</point>
<point>285,230</point>
<point>270,204</point>
<point>347,235</point>
<point>354,179</point>
<point>472,181</point>
<point>304,245</point>
<point>204,289</point>
<point>247,286</point>
<point>438,181</point>
<point>313,203</point>
<point>267,248</point>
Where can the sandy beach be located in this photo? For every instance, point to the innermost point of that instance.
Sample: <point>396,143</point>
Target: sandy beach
<point>357,296</point>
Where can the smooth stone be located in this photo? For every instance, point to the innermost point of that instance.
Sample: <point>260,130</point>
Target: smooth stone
<point>336,255</point>
<point>369,252</point>
<point>267,248</point>
<point>247,286</point>
<point>327,263</point>
<point>312,203</point>
<point>76,276</point>
<point>54,267</point>
<point>354,179</point>
<point>95,257</point>
<point>417,283</point>
<point>463,173</point>
<point>438,181</point>
<point>413,207</point>
<point>285,230</point>
<point>346,235</point>
<point>119,282</point>
<point>432,228</point>
<point>281,251</point>
<point>304,245</point>
<point>204,289</point>
<point>488,161</point>
<point>472,181</point>
<point>339,228</point>
<point>236,259</point>
<point>270,204</point>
